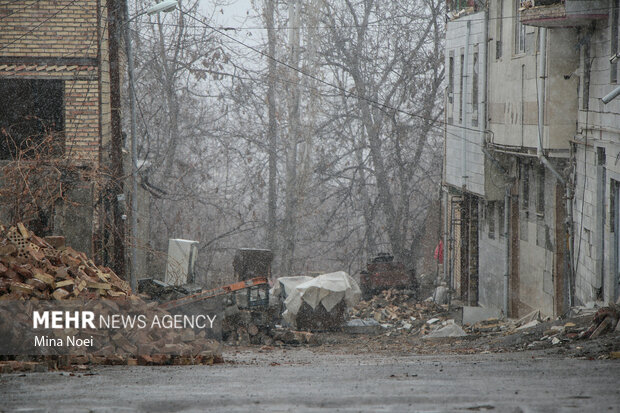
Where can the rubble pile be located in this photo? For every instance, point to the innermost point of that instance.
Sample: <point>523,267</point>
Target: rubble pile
<point>39,270</point>
<point>399,309</point>
<point>532,332</point>
<point>605,320</point>
<point>241,329</point>
<point>31,267</point>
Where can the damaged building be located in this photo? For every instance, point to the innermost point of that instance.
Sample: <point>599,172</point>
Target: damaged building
<point>62,150</point>
<point>531,196</point>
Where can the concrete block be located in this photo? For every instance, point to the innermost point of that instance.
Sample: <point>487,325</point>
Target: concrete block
<point>472,315</point>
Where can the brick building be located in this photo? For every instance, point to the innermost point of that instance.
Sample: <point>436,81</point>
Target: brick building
<point>60,116</point>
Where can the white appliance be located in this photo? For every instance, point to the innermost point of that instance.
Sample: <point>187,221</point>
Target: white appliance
<point>181,258</point>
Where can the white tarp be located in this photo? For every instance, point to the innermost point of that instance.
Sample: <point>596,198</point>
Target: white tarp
<point>285,285</point>
<point>327,290</point>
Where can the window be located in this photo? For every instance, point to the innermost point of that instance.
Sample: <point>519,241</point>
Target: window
<point>474,89</point>
<point>450,106</point>
<point>451,78</point>
<point>615,8</point>
<point>613,186</point>
<point>37,113</point>
<point>499,27</point>
<point>540,190</point>
<point>587,67</point>
<point>519,30</point>
<point>500,221</point>
<point>491,218</point>
<point>461,86</point>
<point>525,187</point>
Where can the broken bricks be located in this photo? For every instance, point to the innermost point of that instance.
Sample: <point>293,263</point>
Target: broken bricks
<point>45,269</point>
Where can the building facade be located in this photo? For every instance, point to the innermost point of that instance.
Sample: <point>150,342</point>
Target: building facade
<point>596,153</point>
<point>60,122</point>
<point>544,235</point>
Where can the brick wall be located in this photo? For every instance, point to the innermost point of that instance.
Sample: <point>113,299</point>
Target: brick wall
<point>49,28</point>
<point>63,39</point>
<point>67,40</point>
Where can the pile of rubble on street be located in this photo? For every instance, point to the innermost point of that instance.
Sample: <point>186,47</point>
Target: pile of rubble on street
<point>397,311</point>
<point>394,320</point>
<point>36,270</point>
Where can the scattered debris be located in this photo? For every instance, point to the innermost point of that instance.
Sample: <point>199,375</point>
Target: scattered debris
<point>451,330</point>
<point>440,295</point>
<point>605,320</point>
<point>533,316</point>
<point>31,268</point>
<point>366,326</point>
<point>530,324</point>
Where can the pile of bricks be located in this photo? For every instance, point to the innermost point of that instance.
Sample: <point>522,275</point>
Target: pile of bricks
<point>31,266</point>
<point>392,306</point>
<point>43,270</point>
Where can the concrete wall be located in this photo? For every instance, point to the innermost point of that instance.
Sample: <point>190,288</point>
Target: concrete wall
<point>473,175</point>
<point>492,257</point>
<point>513,105</point>
<point>595,242</point>
<point>536,248</point>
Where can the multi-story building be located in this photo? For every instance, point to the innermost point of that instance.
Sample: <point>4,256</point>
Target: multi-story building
<point>522,227</point>
<point>596,156</point>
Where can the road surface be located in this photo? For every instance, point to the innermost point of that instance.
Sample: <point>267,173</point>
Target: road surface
<point>300,380</point>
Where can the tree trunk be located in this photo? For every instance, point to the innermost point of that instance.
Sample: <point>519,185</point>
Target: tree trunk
<point>272,128</point>
<point>293,137</point>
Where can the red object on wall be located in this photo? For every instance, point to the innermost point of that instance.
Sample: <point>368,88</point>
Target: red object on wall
<point>439,252</point>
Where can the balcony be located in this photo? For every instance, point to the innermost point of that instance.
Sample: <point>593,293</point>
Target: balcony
<point>563,13</point>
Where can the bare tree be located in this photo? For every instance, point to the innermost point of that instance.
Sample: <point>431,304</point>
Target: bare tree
<point>395,73</point>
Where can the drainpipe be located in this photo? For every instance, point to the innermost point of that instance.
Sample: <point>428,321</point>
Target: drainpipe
<point>464,106</point>
<point>482,120</point>
<point>542,70</point>
<point>507,252</point>
<point>445,236</point>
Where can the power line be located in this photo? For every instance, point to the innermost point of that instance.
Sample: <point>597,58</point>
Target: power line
<point>343,26</point>
<point>373,102</point>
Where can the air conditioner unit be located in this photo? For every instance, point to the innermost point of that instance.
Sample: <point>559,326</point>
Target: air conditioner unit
<point>181,258</point>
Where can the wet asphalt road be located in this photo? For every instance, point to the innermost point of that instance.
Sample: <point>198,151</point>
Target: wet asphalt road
<point>300,380</point>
